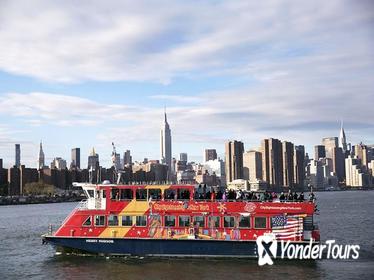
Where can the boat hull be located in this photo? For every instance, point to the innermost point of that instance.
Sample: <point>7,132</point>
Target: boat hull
<point>146,247</point>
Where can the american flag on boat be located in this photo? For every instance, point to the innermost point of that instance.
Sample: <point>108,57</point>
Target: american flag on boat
<point>287,227</point>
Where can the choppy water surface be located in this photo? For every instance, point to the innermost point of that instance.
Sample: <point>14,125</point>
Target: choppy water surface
<point>346,217</point>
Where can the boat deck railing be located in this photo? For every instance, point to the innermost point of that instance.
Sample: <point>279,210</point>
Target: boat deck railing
<point>91,204</point>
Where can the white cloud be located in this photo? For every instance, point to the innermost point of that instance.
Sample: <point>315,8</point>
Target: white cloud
<point>158,41</point>
<point>304,66</point>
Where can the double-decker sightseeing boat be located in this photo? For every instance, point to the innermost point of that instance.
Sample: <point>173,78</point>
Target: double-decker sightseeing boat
<point>177,221</point>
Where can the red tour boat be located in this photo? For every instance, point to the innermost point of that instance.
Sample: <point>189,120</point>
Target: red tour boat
<point>178,220</point>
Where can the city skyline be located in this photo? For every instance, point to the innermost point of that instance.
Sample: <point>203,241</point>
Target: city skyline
<point>107,160</point>
<point>255,73</point>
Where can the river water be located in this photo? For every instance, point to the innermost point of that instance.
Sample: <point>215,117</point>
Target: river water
<point>347,217</point>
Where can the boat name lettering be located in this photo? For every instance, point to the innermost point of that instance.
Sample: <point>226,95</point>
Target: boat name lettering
<point>280,208</point>
<point>91,240</point>
<point>99,241</point>
<point>181,207</point>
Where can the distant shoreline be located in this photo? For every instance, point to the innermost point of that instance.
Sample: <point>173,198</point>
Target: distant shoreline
<point>21,200</point>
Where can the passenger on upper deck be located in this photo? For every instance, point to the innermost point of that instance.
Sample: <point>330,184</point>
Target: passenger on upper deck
<point>301,197</point>
<point>312,197</point>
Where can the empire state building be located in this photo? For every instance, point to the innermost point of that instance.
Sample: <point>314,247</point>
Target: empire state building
<point>165,143</point>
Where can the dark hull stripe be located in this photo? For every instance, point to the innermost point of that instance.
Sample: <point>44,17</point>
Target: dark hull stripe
<point>159,247</point>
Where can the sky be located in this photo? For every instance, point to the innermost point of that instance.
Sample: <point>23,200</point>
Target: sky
<point>89,73</point>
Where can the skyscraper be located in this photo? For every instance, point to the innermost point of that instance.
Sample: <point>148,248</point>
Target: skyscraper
<point>299,165</point>
<point>41,162</point>
<point>165,143</point>
<point>18,155</point>
<point>183,157</point>
<point>272,164</point>
<point>93,160</point>
<point>234,160</point>
<point>288,163</point>
<point>127,158</point>
<point>252,165</point>
<point>210,154</point>
<point>342,139</point>
<point>319,152</point>
<point>361,152</point>
<point>336,154</point>
<point>330,143</point>
<point>76,157</point>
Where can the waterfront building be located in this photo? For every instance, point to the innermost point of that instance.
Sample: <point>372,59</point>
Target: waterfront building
<point>151,171</point>
<point>186,177</point>
<point>165,144</point>
<point>361,152</point>
<point>156,172</point>
<point>41,162</point>
<point>3,179</point>
<point>336,153</point>
<point>18,177</point>
<point>93,160</point>
<point>17,155</point>
<point>14,187</point>
<point>183,157</point>
<point>76,158</point>
<point>370,152</point>
<point>252,165</point>
<point>330,143</point>
<point>210,154</point>
<point>208,179</point>
<point>316,178</point>
<point>319,152</point>
<point>300,162</point>
<point>234,160</point>
<point>288,164</point>
<point>338,163</point>
<point>272,169</point>
<point>355,176</point>
<point>58,163</point>
<point>127,158</point>
<point>215,167</point>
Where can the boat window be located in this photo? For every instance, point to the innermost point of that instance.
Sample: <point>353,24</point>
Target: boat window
<point>141,221</point>
<point>99,220</point>
<point>88,222</point>
<point>260,222</point>
<point>103,193</point>
<point>184,221</point>
<point>183,194</point>
<point>112,220</point>
<point>154,220</point>
<point>169,194</point>
<point>126,221</point>
<point>170,221</point>
<point>214,221</point>
<point>154,193</point>
<point>91,193</point>
<point>126,194</point>
<point>141,194</point>
<point>200,220</point>
<point>114,194</point>
<point>228,221</point>
<point>245,222</point>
